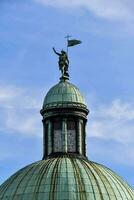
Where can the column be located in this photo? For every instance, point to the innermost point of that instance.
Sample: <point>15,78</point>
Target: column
<point>80,135</point>
<point>64,135</point>
<point>43,139</point>
<point>49,137</point>
<point>84,138</point>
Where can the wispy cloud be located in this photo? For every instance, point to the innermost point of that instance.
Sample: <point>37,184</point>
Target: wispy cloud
<point>112,126</point>
<point>114,121</point>
<point>109,152</point>
<point>115,9</point>
<point>24,121</point>
<point>13,96</point>
<point>20,110</point>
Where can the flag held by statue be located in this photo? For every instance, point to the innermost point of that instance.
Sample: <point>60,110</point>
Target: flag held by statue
<point>73,42</point>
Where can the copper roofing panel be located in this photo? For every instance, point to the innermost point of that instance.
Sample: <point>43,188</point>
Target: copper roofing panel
<point>65,178</point>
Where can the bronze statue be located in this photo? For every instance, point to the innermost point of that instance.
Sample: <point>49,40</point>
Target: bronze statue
<point>63,62</point>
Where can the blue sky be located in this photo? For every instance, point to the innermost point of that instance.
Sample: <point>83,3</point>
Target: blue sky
<point>102,67</point>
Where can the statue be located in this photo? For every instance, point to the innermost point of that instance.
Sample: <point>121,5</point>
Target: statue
<point>63,62</point>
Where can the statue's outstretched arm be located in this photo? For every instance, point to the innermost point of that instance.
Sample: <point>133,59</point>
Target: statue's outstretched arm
<point>56,51</point>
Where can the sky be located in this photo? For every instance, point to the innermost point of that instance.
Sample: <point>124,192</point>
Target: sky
<point>102,67</point>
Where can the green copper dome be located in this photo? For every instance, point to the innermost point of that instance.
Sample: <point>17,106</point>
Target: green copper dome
<point>65,178</point>
<point>63,94</point>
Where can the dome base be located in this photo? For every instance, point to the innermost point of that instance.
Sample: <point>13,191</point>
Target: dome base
<point>68,155</point>
<point>65,178</point>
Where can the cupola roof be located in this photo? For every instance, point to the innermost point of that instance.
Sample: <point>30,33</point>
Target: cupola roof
<point>64,94</point>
